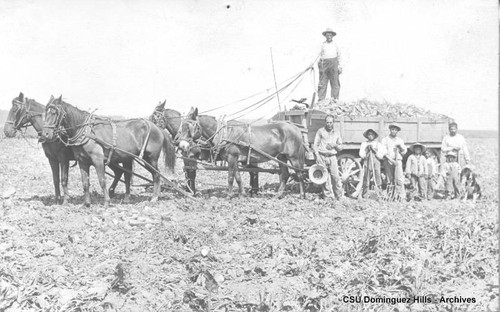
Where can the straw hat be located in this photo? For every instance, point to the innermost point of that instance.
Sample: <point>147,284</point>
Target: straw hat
<point>329,30</point>
<point>417,144</point>
<point>318,174</point>
<point>451,153</point>
<point>394,125</point>
<point>365,134</point>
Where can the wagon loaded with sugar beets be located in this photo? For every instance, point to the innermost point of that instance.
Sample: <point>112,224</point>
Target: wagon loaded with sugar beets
<point>352,119</point>
<point>243,145</point>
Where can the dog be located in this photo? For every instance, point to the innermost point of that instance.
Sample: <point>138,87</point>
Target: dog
<point>471,188</point>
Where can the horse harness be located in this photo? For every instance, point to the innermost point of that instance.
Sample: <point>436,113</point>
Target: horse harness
<point>221,136</point>
<point>29,114</point>
<point>113,147</point>
<point>86,133</point>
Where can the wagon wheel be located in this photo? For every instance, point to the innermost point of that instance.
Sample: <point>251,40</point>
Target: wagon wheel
<point>349,171</point>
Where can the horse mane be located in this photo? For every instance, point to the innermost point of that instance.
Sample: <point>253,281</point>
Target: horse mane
<point>34,103</point>
<point>74,115</point>
<point>232,122</point>
<point>173,111</point>
<point>207,116</point>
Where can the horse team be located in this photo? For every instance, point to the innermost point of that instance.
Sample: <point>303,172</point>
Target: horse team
<point>68,133</point>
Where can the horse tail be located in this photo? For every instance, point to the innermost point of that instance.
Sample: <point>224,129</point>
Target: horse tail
<point>168,150</point>
<point>298,149</point>
<point>302,152</point>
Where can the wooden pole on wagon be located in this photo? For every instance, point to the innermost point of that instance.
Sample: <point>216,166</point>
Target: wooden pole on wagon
<point>275,84</point>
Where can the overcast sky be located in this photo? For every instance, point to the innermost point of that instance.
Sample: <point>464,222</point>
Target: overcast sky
<point>123,57</point>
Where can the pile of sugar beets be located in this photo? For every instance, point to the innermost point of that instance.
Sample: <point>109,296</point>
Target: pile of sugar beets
<point>367,108</point>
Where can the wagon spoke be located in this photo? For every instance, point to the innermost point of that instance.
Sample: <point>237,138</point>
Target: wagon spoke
<point>354,172</point>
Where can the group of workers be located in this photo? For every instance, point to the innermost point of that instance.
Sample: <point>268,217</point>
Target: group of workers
<point>421,167</point>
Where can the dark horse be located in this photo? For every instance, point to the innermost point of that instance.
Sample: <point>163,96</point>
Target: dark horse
<point>26,111</point>
<point>100,141</point>
<point>171,120</point>
<point>239,142</point>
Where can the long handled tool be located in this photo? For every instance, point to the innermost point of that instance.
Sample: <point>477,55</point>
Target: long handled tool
<point>376,187</point>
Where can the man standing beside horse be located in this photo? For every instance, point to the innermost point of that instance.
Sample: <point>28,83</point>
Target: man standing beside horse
<point>327,144</point>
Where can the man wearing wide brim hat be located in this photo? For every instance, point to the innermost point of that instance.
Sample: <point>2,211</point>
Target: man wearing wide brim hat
<point>394,126</point>
<point>329,31</point>
<point>393,159</point>
<point>329,66</point>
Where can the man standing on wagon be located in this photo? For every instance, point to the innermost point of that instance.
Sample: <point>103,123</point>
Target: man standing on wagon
<point>327,143</point>
<point>329,66</point>
<point>393,162</point>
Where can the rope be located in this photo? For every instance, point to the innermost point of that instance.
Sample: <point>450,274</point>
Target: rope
<point>268,98</point>
<point>251,96</point>
<point>285,98</point>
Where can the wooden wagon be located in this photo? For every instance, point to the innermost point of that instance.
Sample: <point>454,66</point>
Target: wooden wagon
<point>428,131</point>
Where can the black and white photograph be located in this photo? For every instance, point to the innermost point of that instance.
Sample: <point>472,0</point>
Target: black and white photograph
<point>253,156</point>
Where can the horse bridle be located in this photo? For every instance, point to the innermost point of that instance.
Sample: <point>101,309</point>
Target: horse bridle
<point>158,118</point>
<point>20,106</point>
<point>60,114</point>
<point>197,129</point>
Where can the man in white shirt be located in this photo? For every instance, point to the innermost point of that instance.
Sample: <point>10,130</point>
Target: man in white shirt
<point>393,163</point>
<point>455,142</point>
<point>329,66</point>
<point>327,143</point>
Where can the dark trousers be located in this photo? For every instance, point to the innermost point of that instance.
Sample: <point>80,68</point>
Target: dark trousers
<point>190,174</point>
<point>328,71</point>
